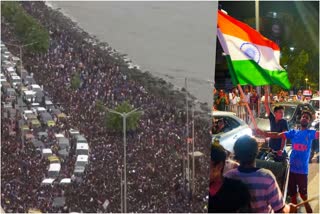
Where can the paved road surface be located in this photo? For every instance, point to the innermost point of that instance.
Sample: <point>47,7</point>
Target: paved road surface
<point>313,186</point>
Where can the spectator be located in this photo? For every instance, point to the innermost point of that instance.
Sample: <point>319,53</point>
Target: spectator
<point>254,99</point>
<point>222,101</point>
<point>265,193</point>
<point>277,124</point>
<point>234,99</point>
<point>225,195</point>
<point>301,141</point>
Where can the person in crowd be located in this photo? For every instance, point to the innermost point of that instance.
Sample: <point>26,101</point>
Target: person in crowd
<point>220,126</point>
<point>301,141</point>
<point>215,97</point>
<point>300,96</point>
<point>254,99</point>
<point>234,99</point>
<point>226,195</point>
<point>247,94</point>
<point>222,101</point>
<point>277,124</point>
<point>265,193</point>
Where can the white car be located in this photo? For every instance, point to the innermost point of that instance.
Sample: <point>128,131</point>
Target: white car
<point>15,80</point>
<point>27,114</point>
<point>29,96</point>
<point>234,128</point>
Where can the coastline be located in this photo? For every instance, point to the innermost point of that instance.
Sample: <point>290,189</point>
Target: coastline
<point>156,84</point>
<point>161,134</point>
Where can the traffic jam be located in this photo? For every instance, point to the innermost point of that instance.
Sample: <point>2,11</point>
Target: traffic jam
<point>30,117</point>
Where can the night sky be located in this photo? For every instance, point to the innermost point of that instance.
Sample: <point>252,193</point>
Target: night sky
<point>246,9</point>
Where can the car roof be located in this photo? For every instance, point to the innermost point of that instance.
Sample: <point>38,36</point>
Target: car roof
<point>47,151</point>
<point>54,167</point>
<point>59,135</point>
<point>35,86</point>
<point>15,77</point>
<point>41,108</point>
<point>83,146</point>
<point>29,92</point>
<point>65,180</point>
<point>222,113</point>
<point>48,181</point>
<point>82,158</point>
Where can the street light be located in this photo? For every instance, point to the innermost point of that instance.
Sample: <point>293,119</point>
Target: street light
<point>124,116</point>
<point>20,49</point>
<point>306,79</point>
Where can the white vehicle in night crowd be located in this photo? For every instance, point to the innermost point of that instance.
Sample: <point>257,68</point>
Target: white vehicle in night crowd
<point>227,128</point>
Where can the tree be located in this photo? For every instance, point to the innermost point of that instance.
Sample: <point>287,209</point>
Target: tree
<point>115,121</point>
<point>27,29</point>
<point>75,81</point>
<point>299,44</point>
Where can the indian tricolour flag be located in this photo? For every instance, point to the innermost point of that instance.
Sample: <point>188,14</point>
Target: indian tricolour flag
<point>252,58</point>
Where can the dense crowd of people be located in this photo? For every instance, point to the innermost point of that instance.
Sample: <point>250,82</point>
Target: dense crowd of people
<point>155,151</point>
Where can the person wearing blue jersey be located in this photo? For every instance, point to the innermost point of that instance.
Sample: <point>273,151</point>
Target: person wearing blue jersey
<point>299,159</point>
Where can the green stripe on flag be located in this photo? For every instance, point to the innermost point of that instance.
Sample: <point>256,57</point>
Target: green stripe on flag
<point>231,70</point>
<point>248,72</point>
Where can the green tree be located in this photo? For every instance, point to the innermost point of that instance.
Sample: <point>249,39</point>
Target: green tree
<point>115,121</point>
<point>301,35</point>
<point>75,81</point>
<point>27,29</point>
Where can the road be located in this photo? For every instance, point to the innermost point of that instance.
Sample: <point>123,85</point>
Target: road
<point>313,187</point>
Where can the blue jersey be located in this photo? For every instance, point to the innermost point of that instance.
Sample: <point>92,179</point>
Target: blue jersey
<point>301,145</point>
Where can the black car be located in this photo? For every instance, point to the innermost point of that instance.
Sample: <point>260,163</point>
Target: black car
<point>292,113</point>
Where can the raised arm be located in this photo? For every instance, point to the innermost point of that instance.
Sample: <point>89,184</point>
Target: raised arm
<point>271,134</point>
<point>266,100</point>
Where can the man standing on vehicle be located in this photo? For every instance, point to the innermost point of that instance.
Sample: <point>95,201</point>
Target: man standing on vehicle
<point>277,124</point>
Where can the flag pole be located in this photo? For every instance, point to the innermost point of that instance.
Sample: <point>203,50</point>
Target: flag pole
<point>257,16</point>
<point>247,106</point>
<point>258,30</point>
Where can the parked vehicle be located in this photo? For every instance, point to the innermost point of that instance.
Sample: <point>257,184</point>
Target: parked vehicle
<point>28,96</point>
<point>54,170</point>
<point>48,105</point>
<point>46,119</point>
<point>82,149</point>
<point>81,139</point>
<point>10,94</point>
<point>35,87</point>
<point>28,115</point>
<point>314,102</point>
<point>63,143</point>
<point>27,80</point>
<point>234,128</point>
<point>82,160</point>
<point>15,81</point>
<point>292,113</point>
<point>78,171</point>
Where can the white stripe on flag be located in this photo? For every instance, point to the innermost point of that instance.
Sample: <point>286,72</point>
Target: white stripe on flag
<point>267,57</point>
